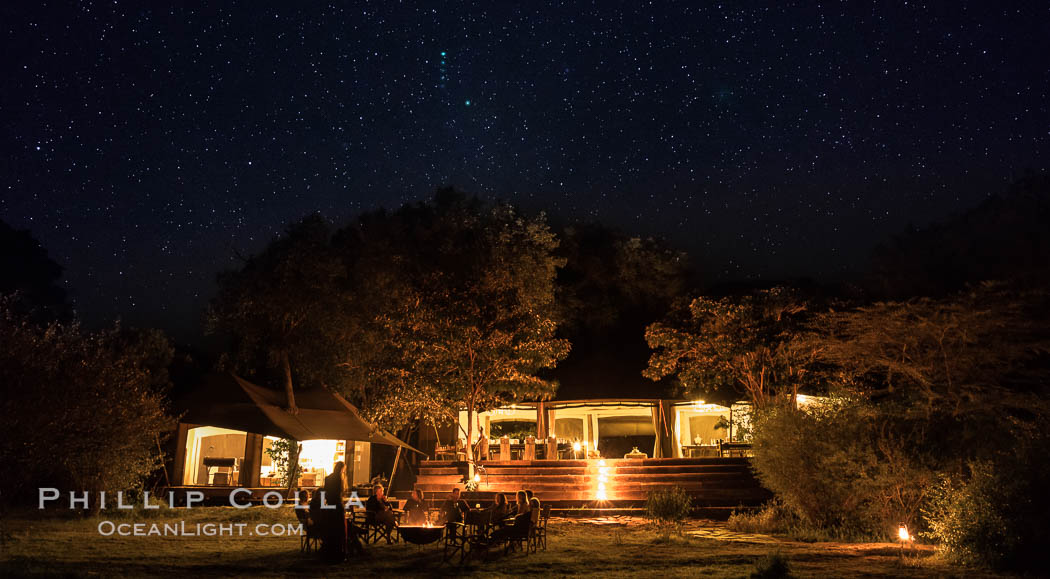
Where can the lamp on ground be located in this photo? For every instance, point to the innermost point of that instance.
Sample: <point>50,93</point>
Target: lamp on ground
<point>576,449</point>
<point>904,536</point>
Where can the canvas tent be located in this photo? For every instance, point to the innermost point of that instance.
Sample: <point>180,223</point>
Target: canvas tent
<point>228,401</point>
<point>229,421</point>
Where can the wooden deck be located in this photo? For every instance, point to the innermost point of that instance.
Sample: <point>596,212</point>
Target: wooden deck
<point>716,485</point>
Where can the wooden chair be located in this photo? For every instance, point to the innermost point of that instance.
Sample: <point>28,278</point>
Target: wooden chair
<point>538,533</point>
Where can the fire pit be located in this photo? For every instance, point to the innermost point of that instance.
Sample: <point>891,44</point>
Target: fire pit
<point>420,535</point>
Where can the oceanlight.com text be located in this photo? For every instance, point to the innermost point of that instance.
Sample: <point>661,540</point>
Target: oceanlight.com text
<point>181,529</point>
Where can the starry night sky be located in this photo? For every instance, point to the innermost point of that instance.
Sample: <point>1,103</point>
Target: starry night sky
<point>146,146</point>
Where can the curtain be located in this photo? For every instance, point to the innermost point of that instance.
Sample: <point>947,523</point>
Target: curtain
<point>657,422</point>
<point>541,423</point>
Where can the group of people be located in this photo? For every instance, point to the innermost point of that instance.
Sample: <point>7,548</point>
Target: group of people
<point>508,520</point>
<point>338,536</point>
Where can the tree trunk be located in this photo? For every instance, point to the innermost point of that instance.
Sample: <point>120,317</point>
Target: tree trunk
<point>293,468</point>
<point>288,391</point>
<point>470,447</point>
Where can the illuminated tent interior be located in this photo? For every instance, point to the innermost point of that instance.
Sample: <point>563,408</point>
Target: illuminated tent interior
<point>228,424</point>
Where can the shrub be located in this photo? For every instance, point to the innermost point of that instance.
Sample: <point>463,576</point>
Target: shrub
<point>819,463</point>
<point>849,468</point>
<point>773,517</point>
<point>82,411</point>
<point>997,516</point>
<point>666,508</point>
<point>772,566</point>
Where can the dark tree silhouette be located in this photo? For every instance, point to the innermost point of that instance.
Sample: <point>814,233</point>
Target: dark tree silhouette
<point>1005,237</point>
<point>29,271</point>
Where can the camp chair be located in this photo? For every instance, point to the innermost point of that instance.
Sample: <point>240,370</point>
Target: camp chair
<point>538,533</point>
<point>456,542</point>
<point>374,531</point>
<point>515,540</point>
<point>310,538</point>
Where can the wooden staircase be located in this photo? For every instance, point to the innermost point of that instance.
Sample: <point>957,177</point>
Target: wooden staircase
<point>716,485</point>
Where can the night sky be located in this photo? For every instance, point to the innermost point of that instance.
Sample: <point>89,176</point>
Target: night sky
<point>146,146</point>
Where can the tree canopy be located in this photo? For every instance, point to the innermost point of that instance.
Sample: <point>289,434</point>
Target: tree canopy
<point>82,411</point>
<point>413,314</point>
<point>277,308</point>
<point>722,349</point>
<point>29,271</point>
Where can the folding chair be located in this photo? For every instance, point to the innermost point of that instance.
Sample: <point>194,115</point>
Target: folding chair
<point>310,538</point>
<point>456,542</point>
<point>374,530</point>
<point>538,534</point>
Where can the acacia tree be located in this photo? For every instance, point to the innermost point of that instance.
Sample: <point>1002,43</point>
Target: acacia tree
<point>720,348</point>
<point>466,314</point>
<point>921,390</point>
<point>972,360</point>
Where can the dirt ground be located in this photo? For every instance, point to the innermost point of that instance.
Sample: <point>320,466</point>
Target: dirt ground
<point>616,547</point>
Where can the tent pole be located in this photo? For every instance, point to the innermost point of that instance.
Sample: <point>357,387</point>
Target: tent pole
<point>393,471</point>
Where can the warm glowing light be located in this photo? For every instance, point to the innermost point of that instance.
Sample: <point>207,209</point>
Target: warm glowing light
<point>477,478</point>
<point>601,462</point>
<point>601,495</point>
<point>903,533</point>
<point>576,447</point>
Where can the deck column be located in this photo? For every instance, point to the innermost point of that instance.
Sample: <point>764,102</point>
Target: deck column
<point>504,448</point>
<point>530,448</point>
<point>552,448</point>
<point>178,467</point>
<point>252,463</point>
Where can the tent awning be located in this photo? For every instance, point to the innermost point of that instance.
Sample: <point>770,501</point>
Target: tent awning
<point>228,401</point>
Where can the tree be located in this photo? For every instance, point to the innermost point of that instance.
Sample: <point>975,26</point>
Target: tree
<point>921,391</point>
<point>29,271</point>
<point>612,279</point>
<point>1006,237</point>
<point>467,313</point>
<point>278,307</point>
<point>722,348</point>
<point>82,411</point>
<point>974,362</point>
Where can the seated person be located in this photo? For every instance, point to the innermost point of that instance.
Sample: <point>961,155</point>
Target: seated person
<point>454,509</point>
<point>500,509</point>
<point>416,509</point>
<point>534,510</point>
<point>302,509</point>
<point>519,526</point>
<point>314,511</point>
<point>382,512</point>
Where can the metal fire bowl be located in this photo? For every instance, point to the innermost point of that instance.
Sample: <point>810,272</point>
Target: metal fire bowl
<point>420,535</point>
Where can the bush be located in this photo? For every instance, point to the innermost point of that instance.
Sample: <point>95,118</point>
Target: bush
<point>666,508</point>
<point>773,517</point>
<point>82,411</point>
<point>997,516</point>
<point>772,566</point>
<point>849,468</point>
<point>819,463</point>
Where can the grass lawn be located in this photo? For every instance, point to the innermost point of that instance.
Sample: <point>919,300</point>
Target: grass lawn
<point>73,547</point>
